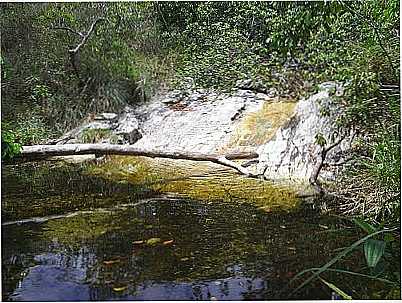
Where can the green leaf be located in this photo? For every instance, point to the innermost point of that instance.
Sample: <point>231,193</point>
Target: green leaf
<point>374,250</point>
<point>320,140</point>
<point>367,227</point>
<point>336,289</point>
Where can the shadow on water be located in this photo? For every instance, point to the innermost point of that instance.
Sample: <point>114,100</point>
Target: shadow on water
<point>41,189</point>
<point>120,242</point>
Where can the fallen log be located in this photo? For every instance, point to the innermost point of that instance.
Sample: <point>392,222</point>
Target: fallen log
<point>35,152</point>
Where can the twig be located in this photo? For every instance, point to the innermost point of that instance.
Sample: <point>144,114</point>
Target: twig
<point>338,163</point>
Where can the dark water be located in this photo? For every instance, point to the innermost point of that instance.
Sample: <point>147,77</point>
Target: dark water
<point>113,241</point>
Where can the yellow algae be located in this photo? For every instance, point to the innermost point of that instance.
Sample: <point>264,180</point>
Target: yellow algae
<point>260,126</point>
<point>195,180</point>
<point>209,181</point>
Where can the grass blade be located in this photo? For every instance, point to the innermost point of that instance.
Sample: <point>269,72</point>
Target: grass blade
<point>336,289</point>
<point>336,259</point>
<point>352,273</point>
<point>367,227</point>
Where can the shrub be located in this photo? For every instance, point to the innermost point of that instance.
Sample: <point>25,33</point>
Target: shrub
<point>9,146</point>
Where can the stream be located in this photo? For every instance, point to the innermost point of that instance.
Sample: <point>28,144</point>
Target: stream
<point>68,235</point>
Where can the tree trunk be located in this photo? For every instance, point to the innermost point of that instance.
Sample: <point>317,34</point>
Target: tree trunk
<point>44,151</point>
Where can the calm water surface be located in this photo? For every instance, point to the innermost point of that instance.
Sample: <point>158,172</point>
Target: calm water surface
<point>67,236</point>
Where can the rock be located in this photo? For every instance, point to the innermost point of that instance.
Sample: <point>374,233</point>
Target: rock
<point>211,122</point>
<point>332,87</point>
<point>98,125</point>
<point>327,86</point>
<point>244,93</point>
<point>293,152</point>
<point>272,92</point>
<point>124,128</point>
<point>128,128</point>
<point>262,96</point>
<point>176,94</point>
<point>132,137</point>
<point>170,100</point>
<point>204,126</point>
<point>188,83</point>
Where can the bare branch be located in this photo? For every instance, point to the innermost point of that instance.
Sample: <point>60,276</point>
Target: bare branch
<point>69,29</point>
<point>339,163</point>
<point>74,51</point>
<point>320,163</point>
<point>45,151</point>
<point>86,36</point>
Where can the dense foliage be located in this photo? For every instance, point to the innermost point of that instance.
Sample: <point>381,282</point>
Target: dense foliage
<point>119,63</point>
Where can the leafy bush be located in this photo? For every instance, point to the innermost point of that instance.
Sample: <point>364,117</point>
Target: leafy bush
<point>9,146</point>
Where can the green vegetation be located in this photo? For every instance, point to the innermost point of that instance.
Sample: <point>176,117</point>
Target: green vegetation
<point>96,135</point>
<point>9,146</point>
<point>376,249</point>
<point>136,49</point>
<point>122,61</point>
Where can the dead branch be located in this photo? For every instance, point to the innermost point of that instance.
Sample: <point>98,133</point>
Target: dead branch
<point>36,152</point>
<point>320,163</point>
<point>86,36</point>
<point>73,52</point>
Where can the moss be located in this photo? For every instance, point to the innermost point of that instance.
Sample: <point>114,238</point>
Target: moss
<point>260,126</point>
<point>196,180</point>
<point>85,226</point>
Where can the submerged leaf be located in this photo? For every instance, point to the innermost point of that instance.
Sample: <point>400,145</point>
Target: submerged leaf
<point>153,241</point>
<point>168,242</point>
<point>120,288</point>
<point>138,242</point>
<point>111,262</point>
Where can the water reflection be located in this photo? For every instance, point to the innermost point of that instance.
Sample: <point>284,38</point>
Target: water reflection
<point>57,283</point>
<point>165,248</point>
<point>199,251</point>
